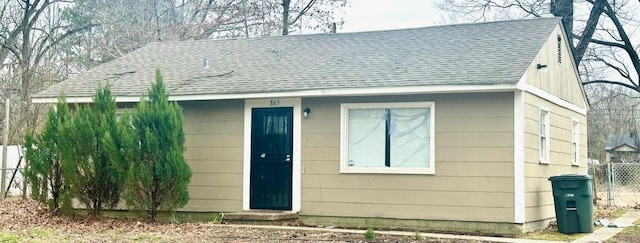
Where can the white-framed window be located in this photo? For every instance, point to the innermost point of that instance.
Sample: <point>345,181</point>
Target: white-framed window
<point>575,142</point>
<point>387,138</point>
<point>543,127</point>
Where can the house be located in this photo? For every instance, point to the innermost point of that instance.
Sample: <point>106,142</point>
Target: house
<point>454,128</point>
<point>622,148</point>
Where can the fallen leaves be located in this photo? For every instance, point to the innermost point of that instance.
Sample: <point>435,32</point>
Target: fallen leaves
<point>29,220</point>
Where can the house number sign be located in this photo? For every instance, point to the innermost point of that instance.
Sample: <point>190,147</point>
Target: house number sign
<point>275,102</point>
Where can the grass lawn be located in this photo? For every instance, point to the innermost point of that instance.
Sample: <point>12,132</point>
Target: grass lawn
<point>551,232</point>
<point>629,234</point>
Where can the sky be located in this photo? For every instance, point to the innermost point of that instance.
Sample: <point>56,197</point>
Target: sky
<point>367,15</point>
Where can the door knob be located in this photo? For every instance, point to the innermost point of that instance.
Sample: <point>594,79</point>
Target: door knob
<point>288,159</point>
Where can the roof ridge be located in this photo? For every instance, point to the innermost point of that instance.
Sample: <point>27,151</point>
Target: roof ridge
<point>471,54</point>
<point>359,32</point>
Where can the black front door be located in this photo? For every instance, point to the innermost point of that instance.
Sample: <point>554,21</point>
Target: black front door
<point>271,158</point>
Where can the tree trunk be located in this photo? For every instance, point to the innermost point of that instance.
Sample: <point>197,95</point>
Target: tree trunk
<point>589,29</point>
<point>285,16</point>
<point>564,9</point>
<point>25,94</point>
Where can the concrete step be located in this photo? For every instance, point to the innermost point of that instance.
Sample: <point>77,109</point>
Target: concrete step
<point>260,217</point>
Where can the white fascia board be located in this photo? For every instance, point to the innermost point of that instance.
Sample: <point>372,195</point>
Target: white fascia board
<point>550,97</point>
<point>80,100</point>
<point>432,89</point>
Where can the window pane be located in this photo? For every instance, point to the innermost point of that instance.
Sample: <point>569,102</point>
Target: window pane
<point>366,137</point>
<point>543,123</point>
<point>409,133</point>
<point>543,148</point>
<point>574,141</point>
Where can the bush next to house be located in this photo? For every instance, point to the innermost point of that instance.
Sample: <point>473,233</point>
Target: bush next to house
<point>158,174</point>
<point>94,161</point>
<point>94,158</point>
<point>44,173</point>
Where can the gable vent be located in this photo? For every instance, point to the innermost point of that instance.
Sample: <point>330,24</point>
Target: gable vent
<point>559,49</point>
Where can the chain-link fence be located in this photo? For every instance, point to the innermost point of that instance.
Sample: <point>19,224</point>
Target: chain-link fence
<point>617,183</point>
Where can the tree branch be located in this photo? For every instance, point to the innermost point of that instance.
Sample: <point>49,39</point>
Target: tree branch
<point>620,71</point>
<point>633,55</point>
<point>602,81</point>
<point>602,42</point>
<point>61,38</point>
<point>590,28</point>
<point>11,49</point>
<point>303,11</point>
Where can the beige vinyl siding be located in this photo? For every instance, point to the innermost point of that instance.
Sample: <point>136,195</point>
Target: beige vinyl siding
<point>560,79</point>
<point>473,178</point>
<point>538,195</point>
<point>214,136</point>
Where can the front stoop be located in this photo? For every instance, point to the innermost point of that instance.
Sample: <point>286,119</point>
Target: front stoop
<point>261,217</point>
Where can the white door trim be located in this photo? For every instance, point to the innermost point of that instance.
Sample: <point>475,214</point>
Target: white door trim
<point>296,103</point>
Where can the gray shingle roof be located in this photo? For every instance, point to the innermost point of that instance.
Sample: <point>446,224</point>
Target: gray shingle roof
<point>465,54</point>
<point>617,140</point>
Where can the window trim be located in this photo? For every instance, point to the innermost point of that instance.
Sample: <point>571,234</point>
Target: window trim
<point>545,159</point>
<point>344,150</point>
<point>575,138</point>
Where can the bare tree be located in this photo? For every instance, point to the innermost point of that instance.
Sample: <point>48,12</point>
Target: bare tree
<point>120,26</point>
<point>30,32</point>
<point>614,110</point>
<point>316,10</point>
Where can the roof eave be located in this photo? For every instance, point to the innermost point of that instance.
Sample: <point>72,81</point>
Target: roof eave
<point>431,89</point>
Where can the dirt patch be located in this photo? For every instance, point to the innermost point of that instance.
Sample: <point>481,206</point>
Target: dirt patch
<point>28,220</point>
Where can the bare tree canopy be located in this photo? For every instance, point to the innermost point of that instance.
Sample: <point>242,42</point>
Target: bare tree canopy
<point>30,32</point>
<point>124,25</point>
<point>45,41</point>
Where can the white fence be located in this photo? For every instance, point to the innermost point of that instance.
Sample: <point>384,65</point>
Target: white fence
<point>14,154</point>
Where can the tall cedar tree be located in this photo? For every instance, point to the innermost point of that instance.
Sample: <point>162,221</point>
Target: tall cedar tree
<point>44,172</point>
<point>158,175</point>
<point>93,153</point>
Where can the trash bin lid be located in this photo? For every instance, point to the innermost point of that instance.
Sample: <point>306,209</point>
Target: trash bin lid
<point>570,177</point>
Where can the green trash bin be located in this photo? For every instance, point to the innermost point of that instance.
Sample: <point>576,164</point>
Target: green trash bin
<point>573,196</point>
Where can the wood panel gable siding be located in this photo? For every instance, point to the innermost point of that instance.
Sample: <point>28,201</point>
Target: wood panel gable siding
<point>560,77</point>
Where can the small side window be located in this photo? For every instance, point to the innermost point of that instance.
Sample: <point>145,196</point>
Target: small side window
<point>575,142</point>
<point>543,149</point>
